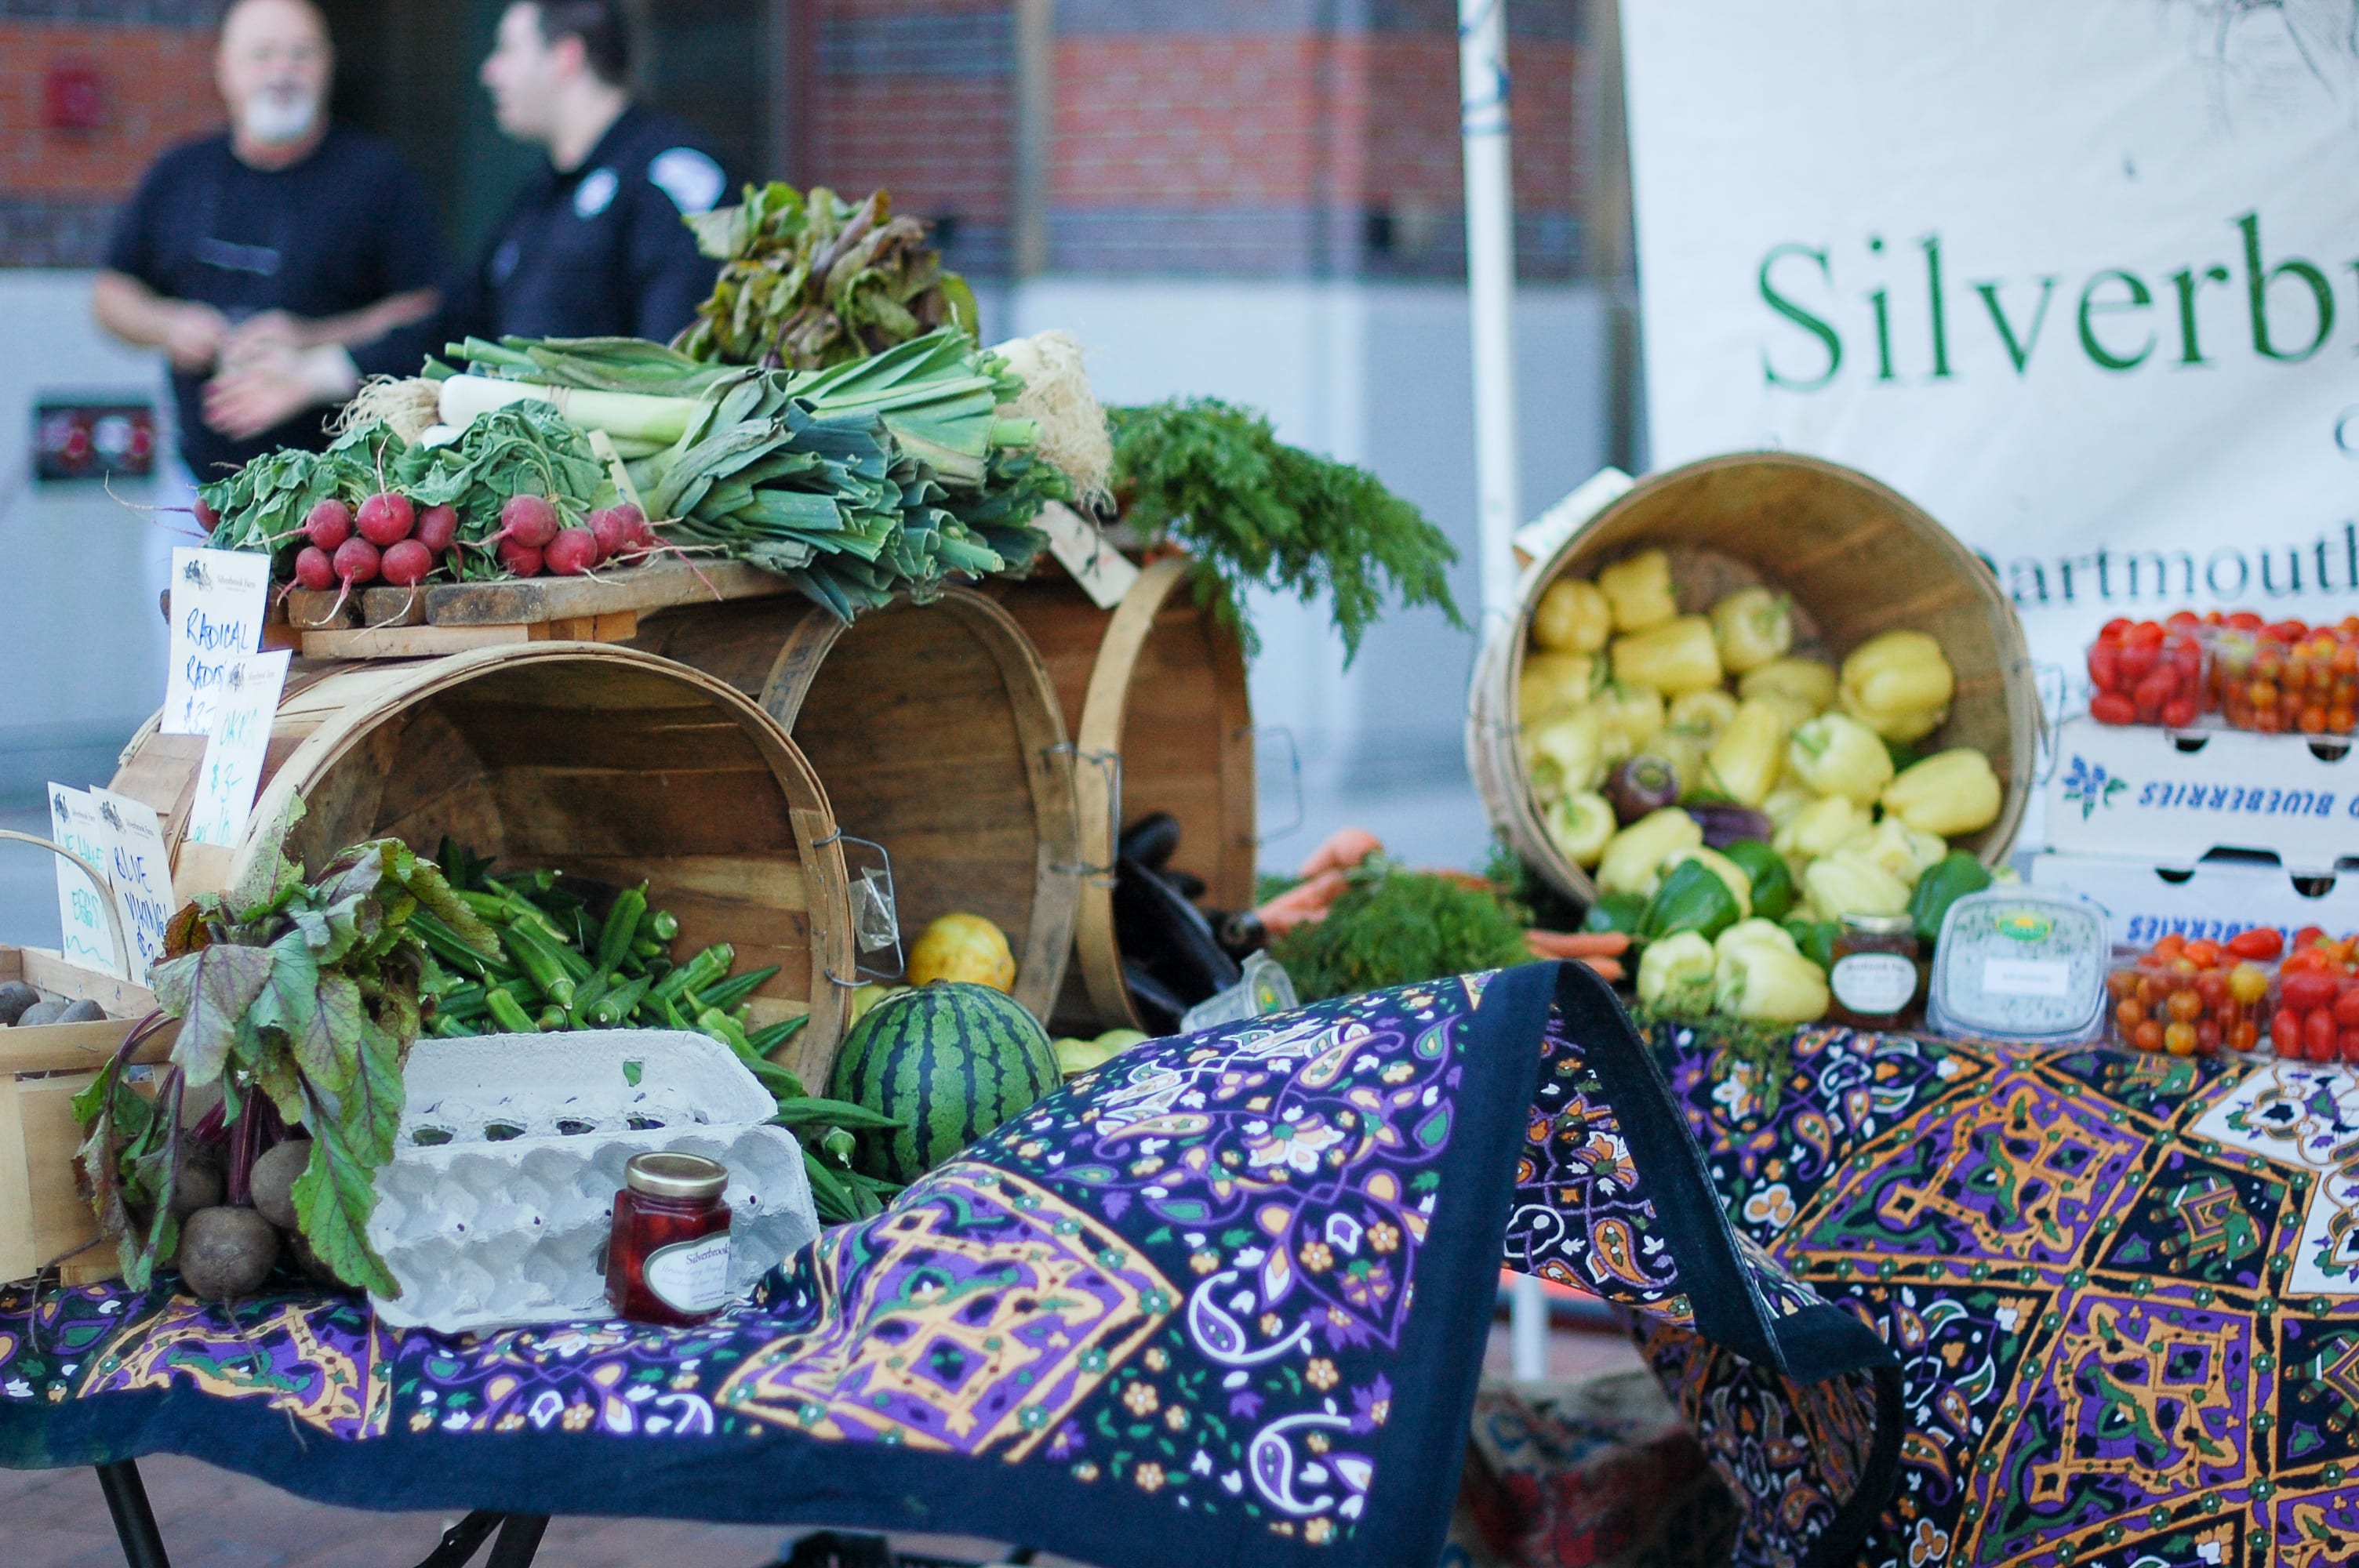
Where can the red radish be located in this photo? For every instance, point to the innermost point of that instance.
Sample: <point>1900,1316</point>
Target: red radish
<point>329,525</point>
<point>207,518</point>
<point>572,552</point>
<point>357,561</point>
<point>530,521</point>
<point>407,563</point>
<point>314,571</point>
<point>521,561</point>
<point>616,528</point>
<point>385,518</point>
<point>436,527</point>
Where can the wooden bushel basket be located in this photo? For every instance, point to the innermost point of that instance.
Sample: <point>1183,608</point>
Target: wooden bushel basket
<point>1154,693</point>
<point>936,732</point>
<point>44,1218</point>
<point>600,760</point>
<point>1857,558</point>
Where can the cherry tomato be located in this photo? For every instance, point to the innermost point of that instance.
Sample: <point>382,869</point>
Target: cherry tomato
<point>2308,935</point>
<point>2205,952</point>
<point>2104,666</point>
<point>2136,661</point>
<point>2148,1036</point>
<point>2182,620</point>
<point>2114,631</point>
<point>2288,631</point>
<point>2214,618</point>
<point>2179,713</point>
<point>2260,941</point>
<point>2245,1036</point>
<point>2305,961</point>
<point>2170,945</point>
<point>2145,634</point>
<point>2112,708</point>
<point>2212,988</point>
<point>2347,1045</point>
<point>2245,620</point>
<point>2346,1008</point>
<point>2129,1015</point>
<point>2285,1033</point>
<point>2180,1039</point>
<point>2208,1036</point>
<point>2319,1034</point>
<point>2248,983</point>
<point>2187,658</point>
<point>2308,990</point>
<point>2186,1007</point>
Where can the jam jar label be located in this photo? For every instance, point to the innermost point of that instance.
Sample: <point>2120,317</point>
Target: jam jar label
<point>1869,984</point>
<point>692,1277</point>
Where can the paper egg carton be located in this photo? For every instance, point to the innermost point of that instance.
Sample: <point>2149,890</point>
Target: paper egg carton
<point>497,1206</point>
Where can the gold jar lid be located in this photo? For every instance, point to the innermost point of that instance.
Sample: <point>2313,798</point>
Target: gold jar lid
<point>668,1175</point>
<point>1879,924</point>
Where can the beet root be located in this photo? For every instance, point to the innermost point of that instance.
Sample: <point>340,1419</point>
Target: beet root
<point>226,1253</point>
<point>272,1185</point>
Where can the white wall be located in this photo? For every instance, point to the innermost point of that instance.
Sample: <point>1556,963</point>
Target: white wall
<point>1379,375</point>
<point>81,641</point>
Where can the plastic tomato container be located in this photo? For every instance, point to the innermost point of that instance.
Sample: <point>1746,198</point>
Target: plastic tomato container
<point>2314,1016</point>
<point>2286,679</point>
<point>2146,673</point>
<point>2185,1006</point>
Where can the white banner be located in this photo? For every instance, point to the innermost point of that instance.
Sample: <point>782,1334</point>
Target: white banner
<point>2079,277</point>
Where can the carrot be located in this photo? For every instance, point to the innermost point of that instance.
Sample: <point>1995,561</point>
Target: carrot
<point>1607,968</point>
<point>1302,904</point>
<point>1578,944</point>
<point>1345,849</point>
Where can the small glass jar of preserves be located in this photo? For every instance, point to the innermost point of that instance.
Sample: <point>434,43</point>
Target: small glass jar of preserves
<point>1874,977</point>
<point>667,1260</point>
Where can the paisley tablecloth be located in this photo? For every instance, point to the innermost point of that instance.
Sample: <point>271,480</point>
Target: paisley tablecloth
<point>2124,1290</point>
<point>1221,1302</point>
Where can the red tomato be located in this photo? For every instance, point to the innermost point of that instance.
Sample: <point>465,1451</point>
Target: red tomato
<point>2347,1045</point>
<point>2346,1008</point>
<point>2320,1036</point>
<point>2182,620</point>
<point>2114,631</point>
<point>2306,961</point>
<point>2288,631</point>
<point>2260,941</point>
<point>2285,1033</point>
<point>2308,935</point>
<point>2307,991</point>
<point>2136,661</point>
<point>2179,713</point>
<point>2186,657</point>
<point>2159,688</point>
<point>2145,635</point>
<point>2245,620</point>
<point>2105,667</point>
<point>2112,708</point>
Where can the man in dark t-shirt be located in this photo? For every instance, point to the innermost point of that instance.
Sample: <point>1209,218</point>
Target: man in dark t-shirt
<point>277,262</point>
<point>595,244</point>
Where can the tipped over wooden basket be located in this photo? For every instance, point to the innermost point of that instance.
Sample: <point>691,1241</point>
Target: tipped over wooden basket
<point>1857,558</point>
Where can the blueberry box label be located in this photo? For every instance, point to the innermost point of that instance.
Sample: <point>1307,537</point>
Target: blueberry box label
<point>2145,792</point>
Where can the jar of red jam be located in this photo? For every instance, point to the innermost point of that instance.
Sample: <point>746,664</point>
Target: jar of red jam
<point>1875,978</point>
<point>668,1261</point>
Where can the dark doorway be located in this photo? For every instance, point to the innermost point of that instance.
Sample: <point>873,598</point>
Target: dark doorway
<point>406,70</point>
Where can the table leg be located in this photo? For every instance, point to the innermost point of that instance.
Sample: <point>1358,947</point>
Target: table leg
<point>519,1541</point>
<point>135,1521</point>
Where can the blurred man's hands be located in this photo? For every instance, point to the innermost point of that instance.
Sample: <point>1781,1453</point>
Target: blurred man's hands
<point>267,384</point>
<point>194,336</point>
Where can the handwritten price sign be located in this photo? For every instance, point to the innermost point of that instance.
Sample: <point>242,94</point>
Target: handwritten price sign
<point>232,770</point>
<point>89,936</point>
<point>141,870</point>
<point>218,599</point>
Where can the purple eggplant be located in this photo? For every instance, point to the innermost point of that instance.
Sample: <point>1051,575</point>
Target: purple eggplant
<point>1728,824</point>
<point>1641,786</point>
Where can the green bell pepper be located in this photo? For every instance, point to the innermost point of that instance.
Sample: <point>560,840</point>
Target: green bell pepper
<point>1948,880</point>
<point>1620,911</point>
<point>1773,882</point>
<point>1816,938</point>
<point>1693,897</point>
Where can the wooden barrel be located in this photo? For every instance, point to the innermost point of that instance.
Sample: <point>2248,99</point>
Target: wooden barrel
<point>599,760</point>
<point>1857,558</point>
<point>1154,693</point>
<point>936,732</point>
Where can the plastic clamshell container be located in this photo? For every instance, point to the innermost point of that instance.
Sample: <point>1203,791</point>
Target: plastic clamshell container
<point>2013,962</point>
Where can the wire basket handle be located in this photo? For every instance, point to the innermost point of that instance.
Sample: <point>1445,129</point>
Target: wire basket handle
<point>97,880</point>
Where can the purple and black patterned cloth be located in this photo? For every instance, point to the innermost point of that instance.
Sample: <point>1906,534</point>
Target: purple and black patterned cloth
<point>1221,1302</point>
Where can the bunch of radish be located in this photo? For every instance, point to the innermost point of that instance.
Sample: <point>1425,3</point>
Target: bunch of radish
<point>389,539</point>
<point>533,538</point>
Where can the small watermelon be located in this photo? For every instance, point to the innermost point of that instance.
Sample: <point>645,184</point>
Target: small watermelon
<point>948,1060</point>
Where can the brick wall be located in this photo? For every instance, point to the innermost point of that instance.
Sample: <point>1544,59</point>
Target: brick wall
<point>60,188</point>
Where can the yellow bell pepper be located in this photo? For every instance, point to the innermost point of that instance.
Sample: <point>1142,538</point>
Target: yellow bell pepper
<point>1948,794</point>
<point>1568,753</point>
<point>1765,984</point>
<point>1673,657</point>
<point>1580,824</point>
<point>1632,714</point>
<point>1898,683</point>
<point>1848,882</point>
<point>1898,848</point>
<point>1675,974</point>
<point>1703,714</point>
<point>1684,753</point>
<point>1807,682</point>
<point>1552,682</point>
<point>1836,754</point>
<point>1744,763</point>
<point>1574,616</point>
<point>1730,875</point>
<point>1820,829</point>
<point>1786,802</point>
<point>1751,626</point>
<point>1633,862</point>
<point>1753,932</point>
<point>1639,590</point>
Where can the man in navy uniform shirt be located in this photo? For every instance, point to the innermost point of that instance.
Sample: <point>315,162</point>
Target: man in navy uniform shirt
<point>596,244</point>
<point>277,263</point>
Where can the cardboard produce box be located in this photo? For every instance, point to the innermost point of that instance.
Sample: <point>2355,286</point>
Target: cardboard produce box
<point>2159,796</point>
<point>2209,899</point>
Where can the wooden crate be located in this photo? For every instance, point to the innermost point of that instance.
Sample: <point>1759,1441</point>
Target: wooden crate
<point>453,617</point>
<point>43,1215</point>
